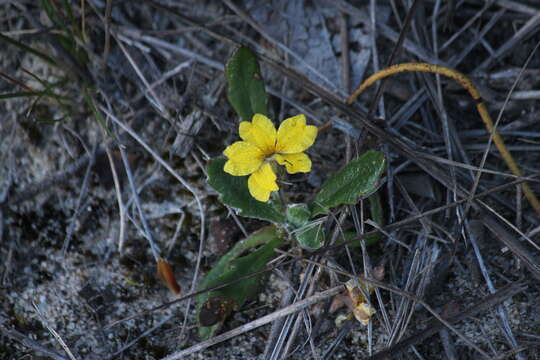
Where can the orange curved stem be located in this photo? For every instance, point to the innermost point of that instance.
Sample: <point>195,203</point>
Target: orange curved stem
<point>480,106</point>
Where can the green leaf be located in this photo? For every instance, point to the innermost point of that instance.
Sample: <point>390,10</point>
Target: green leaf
<point>359,177</point>
<point>234,192</point>
<point>310,236</point>
<point>245,89</point>
<point>298,215</point>
<point>376,212</point>
<point>216,305</point>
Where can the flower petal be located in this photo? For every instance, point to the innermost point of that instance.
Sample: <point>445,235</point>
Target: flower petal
<point>363,312</point>
<point>244,158</point>
<point>259,132</point>
<point>294,136</point>
<point>294,163</point>
<point>262,182</point>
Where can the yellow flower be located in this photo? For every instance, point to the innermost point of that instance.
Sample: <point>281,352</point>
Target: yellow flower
<point>263,145</point>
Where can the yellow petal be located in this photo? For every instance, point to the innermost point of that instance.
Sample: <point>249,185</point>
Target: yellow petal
<point>244,158</point>
<point>294,136</point>
<point>262,182</point>
<point>363,312</point>
<point>259,132</point>
<point>294,163</point>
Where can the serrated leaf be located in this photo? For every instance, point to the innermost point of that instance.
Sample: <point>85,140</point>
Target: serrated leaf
<point>231,267</point>
<point>234,192</point>
<point>359,177</point>
<point>245,89</point>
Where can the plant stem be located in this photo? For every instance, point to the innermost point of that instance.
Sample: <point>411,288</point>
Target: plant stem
<point>480,106</point>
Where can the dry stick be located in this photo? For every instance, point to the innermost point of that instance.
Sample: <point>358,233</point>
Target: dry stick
<point>502,312</point>
<point>517,7</point>
<point>138,338</point>
<point>406,294</point>
<point>384,29</point>
<point>291,309</point>
<point>107,45</point>
<point>395,53</point>
<point>510,241</point>
<point>78,205</point>
<point>249,19</point>
<point>289,321</point>
<point>171,171</point>
<point>26,341</point>
<point>483,304</point>
<point>497,121</point>
<point>152,96</point>
<point>53,332</point>
<point>146,229</point>
<point>121,207</point>
<point>480,106</point>
<point>515,39</point>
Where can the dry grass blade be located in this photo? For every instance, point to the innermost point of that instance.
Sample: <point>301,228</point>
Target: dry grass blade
<point>513,244</point>
<point>484,304</point>
<point>295,307</point>
<point>409,296</point>
<point>26,341</point>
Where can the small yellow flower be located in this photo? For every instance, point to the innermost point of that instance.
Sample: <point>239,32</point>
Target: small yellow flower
<point>263,145</point>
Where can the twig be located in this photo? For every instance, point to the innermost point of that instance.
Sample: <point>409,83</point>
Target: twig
<point>482,305</point>
<point>291,309</point>
<point>26,341</point>
<point>247,18</point>
<point>516,6</point>
<point>513,244</point>
<point>277,325</point>
<point>384,30</point>
<point>153,246</point>
<point>107,20</point>
<point>300,293</point>
<point>395,51</point>
<point>516,38</point>
<point>507,331</point>
<point>499,117</point>
<point>121,207</point>
<point>154,99</point>
<point>409,296</point>
<point>171,171</point>
<point>78,205</point>
<point>138,338</point>
<point>54,333</point>
<point>345,59</point>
